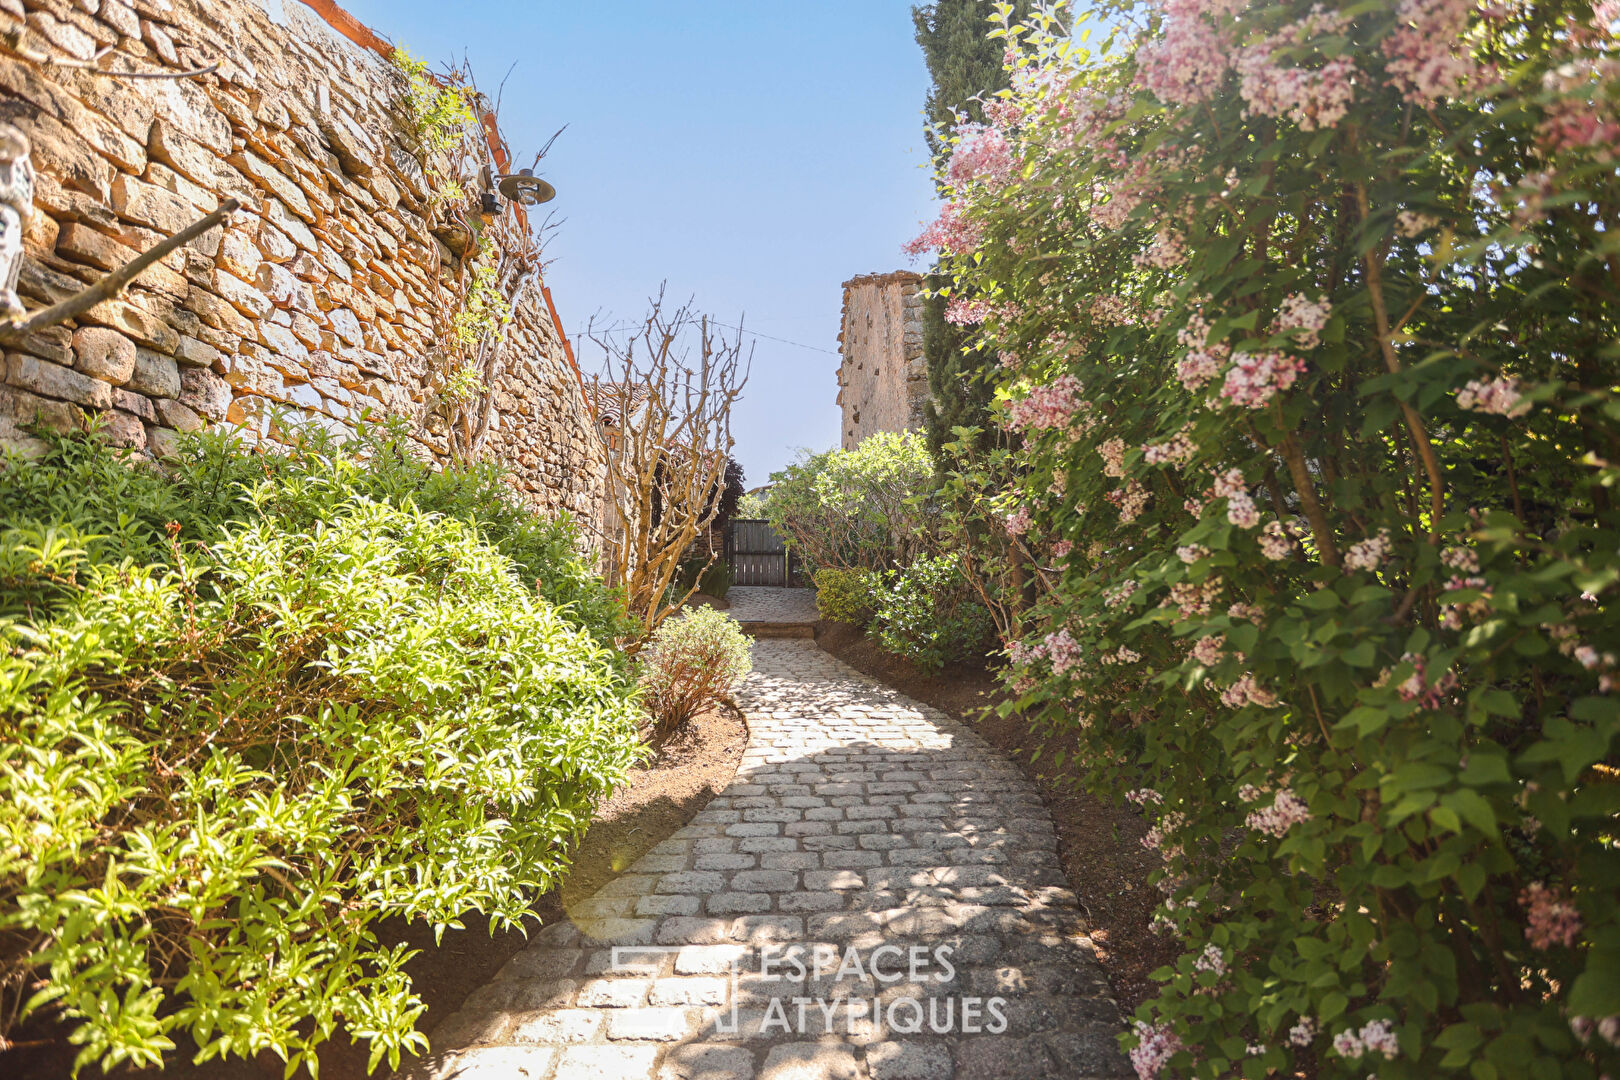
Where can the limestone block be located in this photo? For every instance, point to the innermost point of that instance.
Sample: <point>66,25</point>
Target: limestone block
<point>163,442</point>
<point>204,392</point>
<point>123,429</point>
<point>175,415</point>
<point>24,410</point>
<point>194,352</point>
<point>192,160</point>
<point>152,206</point>
<point>135,321</point>
<point>54,343</point>
<point>55,381</point>
<point>216,313</point>
<point>133,403</point>
<point>266,176</point>
<point>103,354</point>
<point>239,254</point>
<point>154,375</point>
<point>240,295</point>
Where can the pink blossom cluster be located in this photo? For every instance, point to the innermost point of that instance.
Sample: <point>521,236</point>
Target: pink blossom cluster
<point>1608,1029</point>
<point>1064,652</point>
<point>1584,116</point>
<point>1375,1037</point>
<point>1191,553</point>
<point>1212,960</point>
<point>1144,797</point>
<point>1300,313</point>
<point>1113,455</point>
<point>1193,600</point>
<point>1111,309</point>
<point>1194,506</point>
<point>1369,554</point>
<point>1253,613</point>
<point>1018,521</point>
<point>1551,920</point>
<point>1286,811</point>
<point>1166,252</point>
<point>1499,397</point>
<point>1240,508</point>
<point>950,232</point>
<point>1122,655</point>
<point>1428,52</point>
<point>1003,113</point>
<point>965,311</point>
<point>1119,594</point>
<point>1254,379</point>
<point>983,156</point>
<point>1303,1032</point>
<point>1049,406</point>
<point>1163,829</point>
<point>1208,651</point>
<point>1009,361</point>
<point>1199,366</point>
<point>1062,548</point>
<point>1275,543</point>
<point>1155,1045</point>
<point>1417,686</point>
<point>1246,691</point>
<point>1452,615</point>
<point>1131,499</point>
<point>1411,225</point>
<point>1177,450</point>
<point>1188,63</point>
<point>1313,98</point>
<point>1462,559</point>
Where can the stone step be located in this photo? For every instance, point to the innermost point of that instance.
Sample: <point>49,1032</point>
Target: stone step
<point>779,629</point>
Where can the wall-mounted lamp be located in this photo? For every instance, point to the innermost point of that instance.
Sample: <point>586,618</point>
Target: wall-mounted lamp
<point>525,188</point>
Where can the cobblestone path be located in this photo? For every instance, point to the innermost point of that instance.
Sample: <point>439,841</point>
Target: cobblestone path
<point>858,819</point>
<point>771,604</point>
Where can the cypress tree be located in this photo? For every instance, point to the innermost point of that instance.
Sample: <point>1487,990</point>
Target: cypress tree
<point>964,63</point>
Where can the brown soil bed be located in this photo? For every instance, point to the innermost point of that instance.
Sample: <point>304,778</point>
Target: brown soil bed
<point>1099,845</point>
<point>660,798</point>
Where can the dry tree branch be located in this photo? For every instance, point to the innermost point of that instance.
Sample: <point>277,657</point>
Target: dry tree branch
<point>664,400</point>
<point>115,282</point>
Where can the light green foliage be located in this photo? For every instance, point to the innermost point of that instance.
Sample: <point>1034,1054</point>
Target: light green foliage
<point>846,595</point>
<point>113,506</point>
<point>927,614</point>
<point>484,310</point>
<point>1333,597</point>
<point>220,770</point>
<point>439,113</point>
<point>694,659</point>
<point>856,508</point>
<point>752,504</point>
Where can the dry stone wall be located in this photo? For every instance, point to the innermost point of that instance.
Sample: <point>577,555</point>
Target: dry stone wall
<point>883,379</point>
<point>317,296</point>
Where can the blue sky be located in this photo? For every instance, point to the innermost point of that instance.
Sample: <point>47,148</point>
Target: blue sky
<point>754,155</point>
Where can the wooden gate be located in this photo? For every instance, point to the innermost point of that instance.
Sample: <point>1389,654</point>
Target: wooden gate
<point>756,554</point>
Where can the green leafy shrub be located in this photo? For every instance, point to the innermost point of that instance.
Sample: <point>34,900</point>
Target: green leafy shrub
<point>1314,390</point>
<point>114,505</point>
<point>846,595</point>
<point>856,509</point>
<point>217,773</point>
<point>927,614</point>
<point>716,580</point>
<point>694,659</point>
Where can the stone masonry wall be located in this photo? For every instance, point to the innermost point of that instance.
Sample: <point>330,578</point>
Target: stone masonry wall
<point>317,295</point>
<point>883,380</point>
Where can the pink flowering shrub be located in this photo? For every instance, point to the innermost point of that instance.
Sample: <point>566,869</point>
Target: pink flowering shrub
<point>1314,310</point>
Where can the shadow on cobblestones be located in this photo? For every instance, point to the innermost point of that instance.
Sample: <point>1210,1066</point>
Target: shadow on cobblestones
<point>860,824</point>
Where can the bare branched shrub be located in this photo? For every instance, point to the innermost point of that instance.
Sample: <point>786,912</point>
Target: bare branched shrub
<point>664,401</point>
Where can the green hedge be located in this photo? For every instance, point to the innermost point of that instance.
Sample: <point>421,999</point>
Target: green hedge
<point>1307,322</point>
<point>222,763</point>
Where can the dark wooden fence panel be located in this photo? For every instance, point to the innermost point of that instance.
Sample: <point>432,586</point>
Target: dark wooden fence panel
<point>756,554</point>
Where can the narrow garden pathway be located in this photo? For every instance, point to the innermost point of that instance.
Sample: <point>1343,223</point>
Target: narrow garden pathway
<point>858,819</point>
